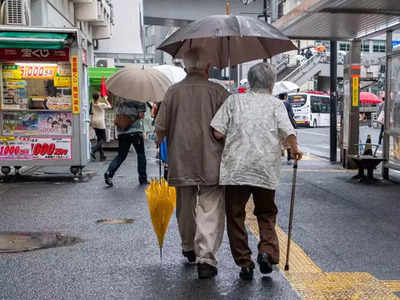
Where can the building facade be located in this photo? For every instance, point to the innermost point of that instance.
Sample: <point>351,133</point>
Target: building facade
<point>94,18</point>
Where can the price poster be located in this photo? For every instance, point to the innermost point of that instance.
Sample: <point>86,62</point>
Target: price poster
<point>36,148</point>
<point>51,148</point>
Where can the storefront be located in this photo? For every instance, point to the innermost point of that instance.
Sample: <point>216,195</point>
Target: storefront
<point>43,99</point>
<point>96,76</point>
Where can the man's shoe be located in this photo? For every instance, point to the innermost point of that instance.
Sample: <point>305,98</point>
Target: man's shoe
<point>93,156</point>
<point>206,271</point>
<point>108,179</point>
<point>190,255</point>
<point>143,182</point>
<point>246,273</point>
<point>103,158</point>
<point>264,262</point>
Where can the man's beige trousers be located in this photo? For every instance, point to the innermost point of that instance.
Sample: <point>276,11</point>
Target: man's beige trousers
<point>200,211</point>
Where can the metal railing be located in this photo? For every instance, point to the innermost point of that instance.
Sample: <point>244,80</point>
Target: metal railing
<point>303,69</point>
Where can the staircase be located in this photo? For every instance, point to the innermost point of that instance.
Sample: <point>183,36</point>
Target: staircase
<point>306,71</point>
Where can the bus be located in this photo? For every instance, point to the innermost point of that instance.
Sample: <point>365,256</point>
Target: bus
<point>311,109</point>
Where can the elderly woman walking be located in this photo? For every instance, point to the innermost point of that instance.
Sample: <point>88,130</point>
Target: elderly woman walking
<point>254,125</point>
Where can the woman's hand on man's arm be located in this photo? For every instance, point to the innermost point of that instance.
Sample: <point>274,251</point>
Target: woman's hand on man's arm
<point>218,135</point>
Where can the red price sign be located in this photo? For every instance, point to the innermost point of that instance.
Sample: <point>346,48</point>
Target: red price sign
<point>51,148</point>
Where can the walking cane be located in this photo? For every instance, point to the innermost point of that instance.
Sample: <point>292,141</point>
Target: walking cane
<point>291,216</point>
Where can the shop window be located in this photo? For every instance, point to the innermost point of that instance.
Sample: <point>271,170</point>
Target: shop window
<point>365,46</point>
<point>36,99</point>
<point>379,46</point>
<point>344,46</point>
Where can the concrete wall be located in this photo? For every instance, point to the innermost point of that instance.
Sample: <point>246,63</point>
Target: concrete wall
<point>127,37</point>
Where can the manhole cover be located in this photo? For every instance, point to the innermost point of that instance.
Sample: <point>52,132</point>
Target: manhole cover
<point>115,221</point>
<point>27,241</point>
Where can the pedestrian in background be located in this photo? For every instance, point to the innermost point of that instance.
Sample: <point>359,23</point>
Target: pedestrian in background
<point>194,156</point>
<point>98,123</point>
<point>289,109</point>
<point>380,112</point>
<point>253,126</point>
<point>130,132</point>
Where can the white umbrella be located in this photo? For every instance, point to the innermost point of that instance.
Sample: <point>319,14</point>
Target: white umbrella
<point>174,74</point>
<point>284,87</point>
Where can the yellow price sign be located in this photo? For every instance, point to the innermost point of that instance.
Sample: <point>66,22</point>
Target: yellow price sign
<point>356,84</point>
<point>62,81</point>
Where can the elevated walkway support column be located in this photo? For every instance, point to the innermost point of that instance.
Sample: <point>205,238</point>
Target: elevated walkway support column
<point>351,104</point>
<point>333,135</point>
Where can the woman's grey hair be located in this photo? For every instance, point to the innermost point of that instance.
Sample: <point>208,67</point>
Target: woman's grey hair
<point>262,76</point>
<point>195,59</point>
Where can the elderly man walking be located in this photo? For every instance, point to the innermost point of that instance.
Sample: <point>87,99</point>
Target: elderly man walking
<point>194,157</point>
<point>253,125</point>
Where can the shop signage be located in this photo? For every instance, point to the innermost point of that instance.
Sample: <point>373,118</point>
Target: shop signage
<point>15,54</point>
<point>38,71</point>
<point>51,148</point>
<point>62,81</point>
<point>75,84</point>
<point>11,72</point>
<point>36,148</point>
<point>356,83</point>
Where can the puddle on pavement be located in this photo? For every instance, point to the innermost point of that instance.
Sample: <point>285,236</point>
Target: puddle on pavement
<point>115,221</point>
<point>12,242</point>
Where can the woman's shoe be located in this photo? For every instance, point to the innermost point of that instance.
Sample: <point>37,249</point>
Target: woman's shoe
<point>264,262</point>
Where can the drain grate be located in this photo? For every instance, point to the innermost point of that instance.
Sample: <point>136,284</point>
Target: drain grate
<point>12,242</point>
<point>114,221</point>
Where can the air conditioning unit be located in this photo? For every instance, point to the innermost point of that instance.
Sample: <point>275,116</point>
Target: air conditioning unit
<point>105,62</point>
<point>90,12</point>
<point>102,32</point>
<point>15,12</point>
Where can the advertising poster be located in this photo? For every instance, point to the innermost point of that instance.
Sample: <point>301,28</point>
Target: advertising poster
<point>51,148</point>
<point>55,123</point>
<point>36,148</point>
<point>15,149</point>
<point>20,123</point>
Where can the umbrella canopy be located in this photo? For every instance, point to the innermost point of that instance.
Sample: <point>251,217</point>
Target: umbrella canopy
<point>174,74</point>
<point>161,199</point>
<point>138,83</point>
<point>369,98</point>
<point>284,87</point>
<point>228,40</point>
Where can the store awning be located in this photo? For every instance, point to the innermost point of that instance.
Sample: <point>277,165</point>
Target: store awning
<point>96,74</point>
<point>340,19</point>
<point>33,40</point>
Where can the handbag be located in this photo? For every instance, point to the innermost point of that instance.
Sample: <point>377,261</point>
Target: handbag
<point>123,121</point>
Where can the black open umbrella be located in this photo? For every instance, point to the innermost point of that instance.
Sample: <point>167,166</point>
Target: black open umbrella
<point>228,40</point>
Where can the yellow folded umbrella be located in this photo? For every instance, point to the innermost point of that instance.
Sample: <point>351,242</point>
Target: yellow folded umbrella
<point>162,200</point>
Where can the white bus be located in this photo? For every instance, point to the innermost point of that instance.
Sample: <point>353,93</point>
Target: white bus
<point>311,109</point>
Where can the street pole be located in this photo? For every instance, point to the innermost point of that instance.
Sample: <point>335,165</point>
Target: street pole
<point>333,100</point>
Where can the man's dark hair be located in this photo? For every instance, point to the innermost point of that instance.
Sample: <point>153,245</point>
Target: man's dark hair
<point>95,96</point>
<point>282,96</point>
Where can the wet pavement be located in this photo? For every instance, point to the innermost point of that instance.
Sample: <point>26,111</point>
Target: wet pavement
<point>118,261</point>
<point>343,231</point>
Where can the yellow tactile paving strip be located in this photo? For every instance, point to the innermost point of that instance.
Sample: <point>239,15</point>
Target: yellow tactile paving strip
<point>394,285</point>
<point>313,284</point>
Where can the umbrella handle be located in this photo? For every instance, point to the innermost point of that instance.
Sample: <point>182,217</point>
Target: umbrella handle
<point>159,161</point>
